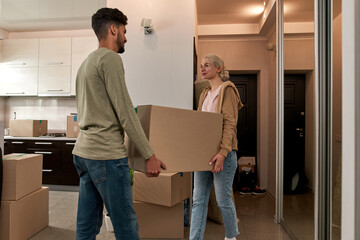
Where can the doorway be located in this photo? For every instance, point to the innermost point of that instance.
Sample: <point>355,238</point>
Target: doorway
<point>246,85</point>
<point>294,133</point>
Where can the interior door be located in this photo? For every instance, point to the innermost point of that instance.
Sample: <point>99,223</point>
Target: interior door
<point>246,126</point>
<point>294,133</point>
<point>246,85</point>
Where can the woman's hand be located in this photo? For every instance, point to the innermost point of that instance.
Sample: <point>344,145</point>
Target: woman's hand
<point>218,159</point>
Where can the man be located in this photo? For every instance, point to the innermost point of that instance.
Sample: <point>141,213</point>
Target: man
<point>105,112</point>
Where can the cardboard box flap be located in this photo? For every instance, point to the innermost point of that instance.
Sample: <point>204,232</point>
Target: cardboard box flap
<point>246,161</point>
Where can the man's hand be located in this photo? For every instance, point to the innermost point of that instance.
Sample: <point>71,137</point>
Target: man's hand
<point>154,166</point>
<point>218,159</point>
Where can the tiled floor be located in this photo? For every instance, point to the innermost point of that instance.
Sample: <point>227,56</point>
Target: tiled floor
<point>255,215</point>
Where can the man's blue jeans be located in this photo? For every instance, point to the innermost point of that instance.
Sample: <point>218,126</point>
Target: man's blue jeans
<point>223,182</point>
<point>105,182</point>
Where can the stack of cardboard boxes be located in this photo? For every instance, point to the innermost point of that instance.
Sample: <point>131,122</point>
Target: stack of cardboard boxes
<point>159,204</point>
<point>185,141</point>
<point>24,203</point>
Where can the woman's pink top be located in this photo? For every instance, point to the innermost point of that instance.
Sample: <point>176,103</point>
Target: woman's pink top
<point>210,101</point>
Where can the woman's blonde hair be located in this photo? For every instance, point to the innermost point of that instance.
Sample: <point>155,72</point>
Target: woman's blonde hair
<point>218,62</point>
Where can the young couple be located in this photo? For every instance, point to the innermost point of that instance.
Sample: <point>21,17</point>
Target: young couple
<point>105,112</point>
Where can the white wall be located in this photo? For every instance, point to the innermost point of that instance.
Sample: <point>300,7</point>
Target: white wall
<point>350,120</point>
<point>54,110</point>
<point>159,67</point>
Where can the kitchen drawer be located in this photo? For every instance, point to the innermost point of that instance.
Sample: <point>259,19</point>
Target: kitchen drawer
<point>17,146</point>
<point>44,145</point>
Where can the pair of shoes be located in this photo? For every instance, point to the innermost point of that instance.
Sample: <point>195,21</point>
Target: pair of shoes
<point>245,190</point>
<point>234,238</point>
<point>258,191</point>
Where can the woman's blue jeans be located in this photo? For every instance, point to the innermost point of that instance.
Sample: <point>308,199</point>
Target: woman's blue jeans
<point>223,182</point>
<point>105,182</point>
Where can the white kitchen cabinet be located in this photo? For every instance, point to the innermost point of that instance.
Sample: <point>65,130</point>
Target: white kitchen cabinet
<point>54,52</point>
<point>54,67</point>
<point>54,81</point>
<point>81,47</point>
<point>20,53</point>
<point>19,67</point>
<point>16,81</point>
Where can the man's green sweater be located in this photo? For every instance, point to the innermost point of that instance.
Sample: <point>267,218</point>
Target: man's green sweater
<point>105,109</point>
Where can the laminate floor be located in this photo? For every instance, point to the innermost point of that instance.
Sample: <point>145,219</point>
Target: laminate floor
<point>255,215</point>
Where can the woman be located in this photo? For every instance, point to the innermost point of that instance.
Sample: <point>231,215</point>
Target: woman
<point>221,97</point>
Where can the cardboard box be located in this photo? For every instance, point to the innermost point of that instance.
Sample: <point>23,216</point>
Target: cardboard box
<point>72,129</point>
<point>25,217</point>
<point>157,221</point>
<point>185,140</point>
<point>246,164</point>
<point>22,174</point>
<point>168,189</point>
<point>28,128</point>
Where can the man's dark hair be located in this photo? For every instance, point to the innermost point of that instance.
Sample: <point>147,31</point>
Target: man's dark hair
<point>105,17</point>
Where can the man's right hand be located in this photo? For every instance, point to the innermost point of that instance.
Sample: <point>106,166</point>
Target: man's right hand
<point>154,166</point>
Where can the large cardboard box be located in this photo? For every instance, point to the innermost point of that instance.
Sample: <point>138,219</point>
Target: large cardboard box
<point>21,219</point>
<point>72,129</point>
<point>185,140</point>
<point>22,174</point>
<point>157,221</point>
<point>28,128</point>
<point>168,189</point>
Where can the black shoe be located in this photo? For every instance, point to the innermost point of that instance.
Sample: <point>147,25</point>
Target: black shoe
<point>245,190</point>
<point>258,191</point>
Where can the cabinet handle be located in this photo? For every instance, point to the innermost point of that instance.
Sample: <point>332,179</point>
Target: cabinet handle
<point>55,90</point>
<point>16,64</point>
<point>43,143</point>
<point>17,142</point>
<point>68,143</point>
<point>47,170</point>
<point>48,153</point>
<point>15,93</point>
<point>55,63</point>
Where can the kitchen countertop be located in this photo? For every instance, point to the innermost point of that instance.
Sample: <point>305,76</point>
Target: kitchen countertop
<point>49,138</point>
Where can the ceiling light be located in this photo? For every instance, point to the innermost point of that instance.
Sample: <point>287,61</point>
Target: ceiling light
<point>257,10</point>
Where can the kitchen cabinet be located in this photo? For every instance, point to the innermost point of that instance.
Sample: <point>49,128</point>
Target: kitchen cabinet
<point>54,81</point>
<point>20,53</point>
<point>16,81</point>
<point>54,67</point>
<point>42,67</point>
<point>81,47</point>
<point>19,67</point>
<point>58,167</point>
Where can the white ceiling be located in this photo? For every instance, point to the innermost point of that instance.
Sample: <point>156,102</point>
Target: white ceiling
<point>38,15</point>
<point>249,11</point>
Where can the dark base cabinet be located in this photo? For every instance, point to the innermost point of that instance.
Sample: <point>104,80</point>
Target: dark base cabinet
<point>58,167</point>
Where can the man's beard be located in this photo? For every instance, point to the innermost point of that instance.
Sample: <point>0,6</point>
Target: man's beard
<point>121,50</point>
